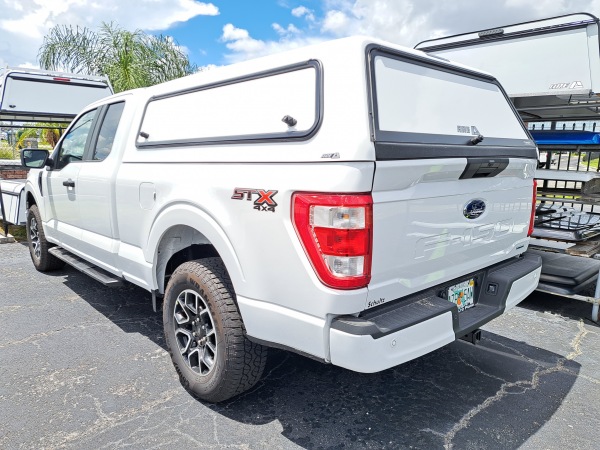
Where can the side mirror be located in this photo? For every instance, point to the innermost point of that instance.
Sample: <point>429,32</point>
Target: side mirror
<point>34,158</point>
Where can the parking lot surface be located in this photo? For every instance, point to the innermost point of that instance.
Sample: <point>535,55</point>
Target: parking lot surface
<point>84,366</point>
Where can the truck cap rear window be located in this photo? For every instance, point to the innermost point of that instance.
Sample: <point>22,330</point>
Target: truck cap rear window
<point>419,102</point>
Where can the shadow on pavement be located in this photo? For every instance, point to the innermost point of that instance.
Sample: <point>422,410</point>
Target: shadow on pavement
<point>128,306</point>
<point>494,395</point>
<point>563,306</point>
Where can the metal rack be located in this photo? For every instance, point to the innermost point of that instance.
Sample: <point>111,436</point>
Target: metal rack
<point>550,69</point>
<point>573,181</point>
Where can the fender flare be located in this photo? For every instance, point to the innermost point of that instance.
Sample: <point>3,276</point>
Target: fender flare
<point>190,215</point>
<point>34,190</point>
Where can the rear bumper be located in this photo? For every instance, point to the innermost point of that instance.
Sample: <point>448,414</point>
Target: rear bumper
<point>407,328</point>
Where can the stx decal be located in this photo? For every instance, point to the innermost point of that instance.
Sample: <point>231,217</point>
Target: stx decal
<point>264,201</point>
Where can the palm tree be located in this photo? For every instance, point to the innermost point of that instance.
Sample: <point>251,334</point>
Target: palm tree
<point>47,133</point>
<point>129,59</point>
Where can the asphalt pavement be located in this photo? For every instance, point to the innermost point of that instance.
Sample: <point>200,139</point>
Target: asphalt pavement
<point>83,366</point>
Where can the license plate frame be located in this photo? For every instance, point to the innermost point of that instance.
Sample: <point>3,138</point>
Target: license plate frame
<point>462,294</point>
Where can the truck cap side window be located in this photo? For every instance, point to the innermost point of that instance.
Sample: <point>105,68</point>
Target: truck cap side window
<point>277,104</point>
<point>73,145</point>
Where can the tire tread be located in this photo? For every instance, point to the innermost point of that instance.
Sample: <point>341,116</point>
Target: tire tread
<point>47,261</point>
<point>245,360</point>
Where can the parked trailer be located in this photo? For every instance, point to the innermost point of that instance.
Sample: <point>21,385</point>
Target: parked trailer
<point>28,95</point>
<point>550,69</point>
<point>34,96</point>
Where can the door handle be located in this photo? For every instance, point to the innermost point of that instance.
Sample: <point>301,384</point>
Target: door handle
<point>69,183</point>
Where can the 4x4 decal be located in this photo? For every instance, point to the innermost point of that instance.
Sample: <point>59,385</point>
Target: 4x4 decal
<point>264,201</point>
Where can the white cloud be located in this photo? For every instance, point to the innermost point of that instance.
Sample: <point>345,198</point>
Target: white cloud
<point>29,66</point>
<point>405,22</point>
<point>23,23</point>
<point>336,22</point>
<point>239,40</point>
<point>243,46</point>
<point>231,33</point>
<point>409,21</point>
<point>291,30</point>
<point>303,11</point>
<point>207,67</point>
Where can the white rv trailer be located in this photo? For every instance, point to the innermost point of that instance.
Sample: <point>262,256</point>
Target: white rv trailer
<point>551,71</point>
<point>550,68</point>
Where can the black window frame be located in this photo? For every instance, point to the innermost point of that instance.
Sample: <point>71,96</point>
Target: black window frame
<point>92,138</point>
<point>89,153</point>
<point>56,152</point>
<point>393,145</point>
<point>246,138</point>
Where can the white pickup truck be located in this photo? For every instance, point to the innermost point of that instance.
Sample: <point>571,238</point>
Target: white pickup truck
<point>354,201</point>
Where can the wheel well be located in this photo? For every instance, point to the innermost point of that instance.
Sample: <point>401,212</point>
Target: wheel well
<point>30,199</point>
<point>180,244</point>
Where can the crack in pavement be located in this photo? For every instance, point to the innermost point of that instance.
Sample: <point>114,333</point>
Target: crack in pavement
<point>576,342</point>
<point>107,421</point>
<point>216,430</point>
<point>35,337</point>
<point>504,390</point>
<point>150,433</point>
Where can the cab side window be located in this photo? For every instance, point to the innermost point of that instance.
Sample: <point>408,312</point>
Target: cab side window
<point>72,147</point>
<point>108,130</point>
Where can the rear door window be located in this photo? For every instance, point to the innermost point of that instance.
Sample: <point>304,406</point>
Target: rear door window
<point>108,130</point>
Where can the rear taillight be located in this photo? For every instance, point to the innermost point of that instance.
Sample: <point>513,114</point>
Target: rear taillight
<point>336,231</point>
<point>532,218</point>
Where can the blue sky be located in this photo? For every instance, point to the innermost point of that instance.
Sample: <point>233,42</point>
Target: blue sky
<point>202,34</point>
<point>219,32</point>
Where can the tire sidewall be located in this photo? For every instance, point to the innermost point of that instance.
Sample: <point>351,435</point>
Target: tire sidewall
<point>33,213</point>
<point>202,384</point>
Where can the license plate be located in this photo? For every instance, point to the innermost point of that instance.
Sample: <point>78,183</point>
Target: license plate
<point>462,294</point>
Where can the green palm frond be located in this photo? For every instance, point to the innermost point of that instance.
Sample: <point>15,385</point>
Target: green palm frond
<point>47,133</point>
<point>130,59</point>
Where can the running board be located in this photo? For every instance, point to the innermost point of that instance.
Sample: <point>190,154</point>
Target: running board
<point>98,274</point>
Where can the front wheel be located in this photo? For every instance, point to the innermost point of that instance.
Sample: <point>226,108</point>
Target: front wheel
<point>38,245</point>
<point>205,333</point>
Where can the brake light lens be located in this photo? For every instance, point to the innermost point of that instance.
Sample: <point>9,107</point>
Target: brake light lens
<point>532,218</point>
<point>336,232</point>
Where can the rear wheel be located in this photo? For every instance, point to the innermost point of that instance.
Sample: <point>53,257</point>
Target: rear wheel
<point>38,245</point>
<point>205,333</point>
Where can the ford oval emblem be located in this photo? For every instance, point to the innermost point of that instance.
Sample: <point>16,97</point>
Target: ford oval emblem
<point>474,209</point>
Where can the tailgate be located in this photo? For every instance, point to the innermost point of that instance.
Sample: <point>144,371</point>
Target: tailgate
<point>453,184</point>
<point>422,233</point>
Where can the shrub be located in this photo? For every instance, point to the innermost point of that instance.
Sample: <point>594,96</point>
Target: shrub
<point>6,153</point>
